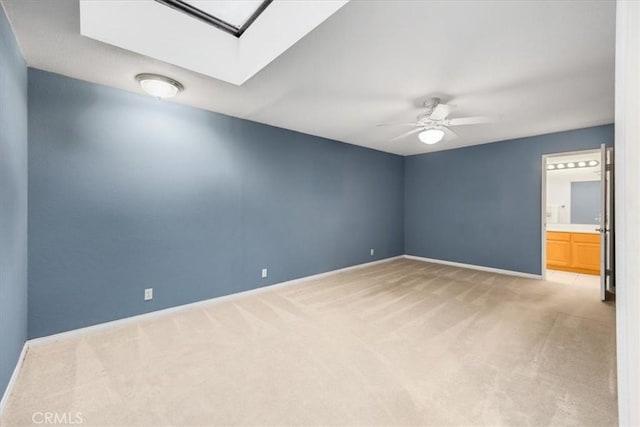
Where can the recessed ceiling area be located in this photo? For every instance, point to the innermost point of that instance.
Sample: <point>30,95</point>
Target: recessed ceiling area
<point>200,41</point>
<point>538,67</point>
<point>236,13</point>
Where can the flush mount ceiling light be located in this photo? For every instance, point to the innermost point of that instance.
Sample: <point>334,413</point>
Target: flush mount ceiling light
<point>159,86</point>
<point>431,136</point>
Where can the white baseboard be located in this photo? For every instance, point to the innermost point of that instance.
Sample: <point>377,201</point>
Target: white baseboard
<point>166,311</point>
<point>476,267</point>
<point>191,306</point>
<point>14,377</point>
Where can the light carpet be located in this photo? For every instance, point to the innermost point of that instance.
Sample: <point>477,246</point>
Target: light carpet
<point>398,343</point>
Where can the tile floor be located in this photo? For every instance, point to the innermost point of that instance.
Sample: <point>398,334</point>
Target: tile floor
<point>570,278</point>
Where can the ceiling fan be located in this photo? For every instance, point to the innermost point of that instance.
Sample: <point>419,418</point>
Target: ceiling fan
<point>433,125</point>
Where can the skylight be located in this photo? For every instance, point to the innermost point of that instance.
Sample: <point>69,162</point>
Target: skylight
<point>153,29</point>
<point>232,16</point>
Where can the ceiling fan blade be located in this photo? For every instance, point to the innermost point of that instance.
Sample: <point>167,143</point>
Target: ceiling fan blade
<point>411,132</point>
<point>400,124</point>
<point>440,112</point>
<point>449,134</point>
<point>468,121</point>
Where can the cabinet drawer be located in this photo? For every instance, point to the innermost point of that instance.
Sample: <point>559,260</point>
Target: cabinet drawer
<point>585,237</point>
<point>556,235</point>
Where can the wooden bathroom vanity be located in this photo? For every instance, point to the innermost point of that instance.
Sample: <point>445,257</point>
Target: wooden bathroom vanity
<point>574,251</point>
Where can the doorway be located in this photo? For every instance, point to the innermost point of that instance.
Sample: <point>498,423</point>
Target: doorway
<point>577,219</point>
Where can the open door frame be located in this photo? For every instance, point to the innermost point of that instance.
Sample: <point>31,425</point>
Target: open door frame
<point>543,210</point>
<point>607,222</point>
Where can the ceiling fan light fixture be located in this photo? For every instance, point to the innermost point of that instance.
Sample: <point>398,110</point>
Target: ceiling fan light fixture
<point>159,86</point>
<point>431,136</point>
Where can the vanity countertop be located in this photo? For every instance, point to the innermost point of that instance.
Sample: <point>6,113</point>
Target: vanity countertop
<point>573,228</point>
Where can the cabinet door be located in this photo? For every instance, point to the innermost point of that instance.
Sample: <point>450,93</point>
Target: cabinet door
<point>558,253</point>
<point>585,251</point>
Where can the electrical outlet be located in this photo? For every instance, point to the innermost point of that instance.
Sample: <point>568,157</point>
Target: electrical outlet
<point>148,294</point>
<point>264,273</point>
<point>372,251</point>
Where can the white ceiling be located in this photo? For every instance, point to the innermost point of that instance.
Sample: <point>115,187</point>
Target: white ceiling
<point>543,66</point>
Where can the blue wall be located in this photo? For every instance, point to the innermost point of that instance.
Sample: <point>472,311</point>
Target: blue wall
<point>13,202</point>
<point>127,192</point>
<point>585,202</point>
<point>481,204</point>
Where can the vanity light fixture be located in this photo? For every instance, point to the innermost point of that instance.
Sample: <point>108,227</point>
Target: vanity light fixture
<point>159,86</point>
<point>573,165</point>
<point>431,136</point>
